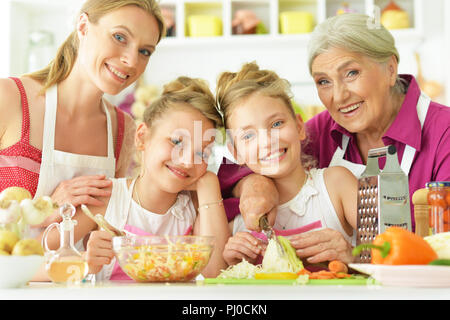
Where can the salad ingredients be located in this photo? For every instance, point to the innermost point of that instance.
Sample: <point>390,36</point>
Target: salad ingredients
<point>440,262</point>
<point>172,262</point>
<point>36,211</point>
<point>272,265</point>
<point>11,244</point>
<point>273,262</point>
<point>275,275</point>
<point>294,260</point>
<point>440,242</point>
<point>8,240</point>
<point>242,270</point>
<point>27,247</point>
<point>337,266</point>
<point>398,246</point>
<point>15,193</point>
<point>324,274</point>
<point>9,211</point>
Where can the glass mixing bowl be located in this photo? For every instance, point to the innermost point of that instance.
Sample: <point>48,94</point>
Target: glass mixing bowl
<point>163,258</point>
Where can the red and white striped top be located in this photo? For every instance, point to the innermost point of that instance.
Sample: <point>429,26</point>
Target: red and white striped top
<point>21,162</point>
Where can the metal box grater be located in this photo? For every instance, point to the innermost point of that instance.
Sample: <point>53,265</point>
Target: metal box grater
<point>383,198</point>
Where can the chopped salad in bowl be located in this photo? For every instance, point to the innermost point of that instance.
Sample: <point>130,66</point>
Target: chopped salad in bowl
<point>163,258</point>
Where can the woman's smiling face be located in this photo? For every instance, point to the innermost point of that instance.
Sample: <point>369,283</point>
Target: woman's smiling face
<point>115,50</point>
<point>355,89</point>
<point>266,135</point>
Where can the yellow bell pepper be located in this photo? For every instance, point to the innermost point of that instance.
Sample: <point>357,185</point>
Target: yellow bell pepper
<point>275,275</point>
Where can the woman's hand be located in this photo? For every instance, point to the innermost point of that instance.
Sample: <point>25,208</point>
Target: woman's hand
<point>82,190</point>
<point>99,250</point>
<point>258,196</point>
<point>77,191</point>
<point>243,246</point>
<point>322,245</point>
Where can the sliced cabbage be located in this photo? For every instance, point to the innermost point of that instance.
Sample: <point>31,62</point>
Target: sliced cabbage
<point>440,242</point>
<point>272,262</point>
<point>242,270</point>
<point>291,253</point>
<point>275,262</point>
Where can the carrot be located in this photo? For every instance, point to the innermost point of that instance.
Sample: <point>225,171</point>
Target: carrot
<point>337,266</point>
<point>303,271</point>
<point>322,275</point>
<point>328,274</point>
<point>342,275</point>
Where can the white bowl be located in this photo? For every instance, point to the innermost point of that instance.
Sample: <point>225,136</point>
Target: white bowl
<point>16,271</point>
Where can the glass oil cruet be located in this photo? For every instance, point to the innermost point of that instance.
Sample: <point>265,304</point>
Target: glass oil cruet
<point>65,265</point>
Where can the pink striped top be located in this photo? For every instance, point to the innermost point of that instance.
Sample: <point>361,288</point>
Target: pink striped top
<point>20,163</point>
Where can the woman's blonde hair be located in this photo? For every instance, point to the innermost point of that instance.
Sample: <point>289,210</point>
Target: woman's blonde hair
<point>357,33</point>
<point>193,93</point>
<point>61,66</point>
<point>233,87</point>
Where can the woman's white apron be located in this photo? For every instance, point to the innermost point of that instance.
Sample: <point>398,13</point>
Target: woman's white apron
<point>408,155</point>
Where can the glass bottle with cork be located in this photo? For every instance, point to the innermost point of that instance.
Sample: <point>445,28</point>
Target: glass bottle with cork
<point>65,265</point>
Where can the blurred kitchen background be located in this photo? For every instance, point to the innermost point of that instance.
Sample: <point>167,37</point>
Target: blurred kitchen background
<point>207,37</point>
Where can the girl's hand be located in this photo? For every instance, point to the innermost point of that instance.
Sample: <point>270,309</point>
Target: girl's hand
<point>205,180</point>
<point>322,245</point>
<point>99,250</point>
<point>243,246</point>
<point>82,190</point>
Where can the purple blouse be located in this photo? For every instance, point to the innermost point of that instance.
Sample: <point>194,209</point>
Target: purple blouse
<point>229,175</point>
<point>432,143</point>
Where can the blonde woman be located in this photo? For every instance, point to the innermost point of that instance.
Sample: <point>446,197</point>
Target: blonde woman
<point>58,135</point>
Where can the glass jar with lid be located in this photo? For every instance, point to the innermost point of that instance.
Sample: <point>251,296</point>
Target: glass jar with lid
<point>439,202</point>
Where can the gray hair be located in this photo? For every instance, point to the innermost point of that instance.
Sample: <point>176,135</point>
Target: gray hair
<point>354,32</point>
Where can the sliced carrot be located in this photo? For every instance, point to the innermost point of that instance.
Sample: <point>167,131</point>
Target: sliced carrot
<point>337,266</point>
<point>342,275</point>
<point>303,271</point>
<point>322,276</point>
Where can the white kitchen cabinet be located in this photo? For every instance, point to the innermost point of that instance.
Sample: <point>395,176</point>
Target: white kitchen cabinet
<point>206,57</point>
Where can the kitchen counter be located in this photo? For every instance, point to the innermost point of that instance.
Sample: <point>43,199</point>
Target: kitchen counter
<point>197,291</point>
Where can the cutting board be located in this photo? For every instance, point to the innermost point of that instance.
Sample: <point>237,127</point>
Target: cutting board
<point>327,282</point>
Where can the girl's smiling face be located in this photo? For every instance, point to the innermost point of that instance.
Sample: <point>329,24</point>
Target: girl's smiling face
<point>176,148</point>
<point>115,51</point>
<point>355,89</point>
<point>266,136</point>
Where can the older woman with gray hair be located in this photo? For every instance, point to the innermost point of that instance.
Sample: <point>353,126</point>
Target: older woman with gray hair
<point>369,105</point>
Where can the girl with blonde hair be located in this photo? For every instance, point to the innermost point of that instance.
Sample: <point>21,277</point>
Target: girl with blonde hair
<point>316,207</point>
<point>59,136</point>
<point>174,194</point>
